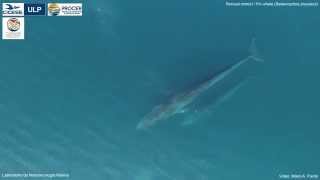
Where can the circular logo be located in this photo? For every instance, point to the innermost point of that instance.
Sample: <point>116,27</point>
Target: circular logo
<point>53,9</point>
<point>13,24</point>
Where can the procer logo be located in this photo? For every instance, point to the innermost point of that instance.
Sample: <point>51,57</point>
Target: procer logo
<point>13,28</point>
<point>34,9</point>
<point>13,9</point>
<point>64,9</point>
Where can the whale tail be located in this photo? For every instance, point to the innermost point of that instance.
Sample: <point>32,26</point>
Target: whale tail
<point>254,52</point>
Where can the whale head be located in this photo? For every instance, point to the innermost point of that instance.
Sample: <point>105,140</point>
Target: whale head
<point>158,113</point>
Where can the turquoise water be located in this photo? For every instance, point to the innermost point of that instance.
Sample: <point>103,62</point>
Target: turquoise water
<point>73,92</point>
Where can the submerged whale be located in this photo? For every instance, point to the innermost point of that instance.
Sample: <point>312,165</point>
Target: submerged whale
<point>224,97</point>
<point>178,103</point>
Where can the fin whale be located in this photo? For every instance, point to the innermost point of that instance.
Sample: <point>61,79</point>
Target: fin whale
<point>178,103</point>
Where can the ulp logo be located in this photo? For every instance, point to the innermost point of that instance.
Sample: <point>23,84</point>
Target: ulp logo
<point>34,9</point>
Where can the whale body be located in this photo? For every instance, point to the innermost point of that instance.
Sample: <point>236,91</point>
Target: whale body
<point>178,103</point>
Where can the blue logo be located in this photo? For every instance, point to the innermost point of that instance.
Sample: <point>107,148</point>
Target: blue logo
<point>34,9</point>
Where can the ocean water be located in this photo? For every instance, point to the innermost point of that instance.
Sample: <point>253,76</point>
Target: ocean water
<point>72,93</point>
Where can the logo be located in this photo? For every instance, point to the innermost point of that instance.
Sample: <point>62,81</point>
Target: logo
<point>13,24</point>
<point>34,9</point>
<point>64,9</point>
<point>13,28</point>
<point>53,9</point>
<point>12,9</point>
